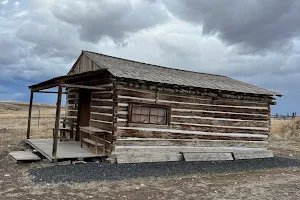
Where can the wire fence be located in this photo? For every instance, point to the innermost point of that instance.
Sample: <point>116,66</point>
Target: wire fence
<point>285,117</point>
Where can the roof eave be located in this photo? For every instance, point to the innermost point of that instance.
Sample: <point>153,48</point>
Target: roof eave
<point>270,93</point>
<point>53,82</point>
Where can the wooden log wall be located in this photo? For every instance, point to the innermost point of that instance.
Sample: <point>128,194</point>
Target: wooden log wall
<point>195,121</point>
<point>102,111</point>
<point>72,103</point>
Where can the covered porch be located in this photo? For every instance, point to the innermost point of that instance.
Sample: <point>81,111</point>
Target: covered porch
<point>54,149</point>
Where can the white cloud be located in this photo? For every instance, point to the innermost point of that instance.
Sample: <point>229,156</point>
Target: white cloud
<point>4,1</point>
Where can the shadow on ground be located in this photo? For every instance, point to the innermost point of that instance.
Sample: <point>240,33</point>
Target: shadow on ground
<point>104,171</point>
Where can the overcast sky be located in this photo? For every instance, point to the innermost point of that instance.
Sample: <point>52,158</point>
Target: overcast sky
<point>256,41</point>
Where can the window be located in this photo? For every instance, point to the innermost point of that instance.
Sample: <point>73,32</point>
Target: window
<point>145,114</point>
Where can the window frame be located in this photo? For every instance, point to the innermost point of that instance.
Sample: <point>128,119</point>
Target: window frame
<point>168,114</point>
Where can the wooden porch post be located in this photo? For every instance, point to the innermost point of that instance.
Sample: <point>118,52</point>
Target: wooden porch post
<point>55,133</point>
<point>29,114</point>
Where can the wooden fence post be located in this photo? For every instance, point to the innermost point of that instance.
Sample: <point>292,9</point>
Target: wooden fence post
<point>29,114</point>
<point>39,118</point>
<point>55,133</point>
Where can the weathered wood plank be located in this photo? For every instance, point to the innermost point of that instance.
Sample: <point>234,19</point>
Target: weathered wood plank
<point>138,94</point>
<point>213,107</point>
<point>24,156</point>
<point>92,142</point>
<point>71,107</point>
<point>146,157</point>
<point>183,149</point>
<point>104,95</point>
<point>100,116</point>
<point>182,134</point>
<point>215,114</point>
<point>121,108</point>
<point>215,128</point>
<point>73,95</point>
<point>215,121</point>
<point>201,127</point>
<point>96,82</point>
<point>72,90</point>
<point>72,113</point>
<point>200,100</point>
<point>72,100</point>
<point>101,125</point>
<point>189,142</point>
<point>252,155</point>
<point>194,156</point>
<point>101,103</point>
<point>101,109</point>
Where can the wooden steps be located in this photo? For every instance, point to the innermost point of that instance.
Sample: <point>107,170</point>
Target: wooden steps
<point>21,156</point>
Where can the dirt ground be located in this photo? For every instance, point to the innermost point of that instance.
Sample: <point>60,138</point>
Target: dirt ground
<point>15,182</point>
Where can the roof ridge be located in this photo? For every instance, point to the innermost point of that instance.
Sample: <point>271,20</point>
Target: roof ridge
<point>154,64</point>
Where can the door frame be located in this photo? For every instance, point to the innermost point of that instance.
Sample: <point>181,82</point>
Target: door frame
<point>84,110</point>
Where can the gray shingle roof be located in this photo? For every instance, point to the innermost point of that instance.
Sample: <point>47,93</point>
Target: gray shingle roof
<point>124,68</point>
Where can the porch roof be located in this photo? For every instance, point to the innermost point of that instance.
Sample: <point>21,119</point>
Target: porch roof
<point>67,79</point>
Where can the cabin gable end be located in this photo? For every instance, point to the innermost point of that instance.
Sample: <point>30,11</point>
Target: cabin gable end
<point>83,64</point>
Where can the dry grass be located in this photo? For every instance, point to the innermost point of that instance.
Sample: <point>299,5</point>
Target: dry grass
<point>13,122</point>
<point>20,110</point>
<point>285,128</point>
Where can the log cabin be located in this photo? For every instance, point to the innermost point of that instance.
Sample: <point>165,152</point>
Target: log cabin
<point>130,111</point>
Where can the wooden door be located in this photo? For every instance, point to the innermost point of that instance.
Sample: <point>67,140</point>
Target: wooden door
<point>84,108</point>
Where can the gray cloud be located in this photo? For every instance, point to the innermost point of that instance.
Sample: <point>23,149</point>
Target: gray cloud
<point>213,56</point>
<point>115,19</point>
<point>254,25</point>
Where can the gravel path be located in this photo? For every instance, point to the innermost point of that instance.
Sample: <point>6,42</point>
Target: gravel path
<point>104,171</point>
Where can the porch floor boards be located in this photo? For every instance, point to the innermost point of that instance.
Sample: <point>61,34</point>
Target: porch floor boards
<point>65,149</point>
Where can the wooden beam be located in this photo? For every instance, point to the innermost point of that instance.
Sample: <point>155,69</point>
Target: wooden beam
<point>44,87</point>
<point>50,92</point>
<point>55,133</point>
<point>83,87</point>
<point>29,114</point>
